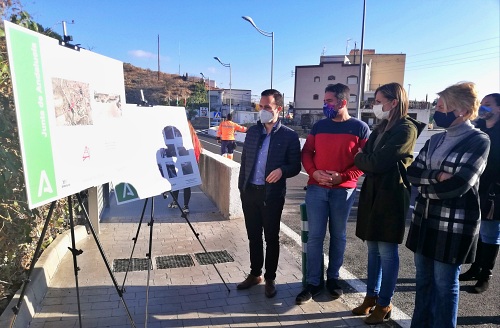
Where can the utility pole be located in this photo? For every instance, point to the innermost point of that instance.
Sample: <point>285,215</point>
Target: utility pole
<point>158,57</point>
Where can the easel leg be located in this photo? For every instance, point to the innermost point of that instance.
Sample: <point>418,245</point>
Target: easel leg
<point>184,215</point>
<point>135,243</point>
<point>148,255</point>
<point>33,262</point>
<point>99,246</point>
<point>75,252</point>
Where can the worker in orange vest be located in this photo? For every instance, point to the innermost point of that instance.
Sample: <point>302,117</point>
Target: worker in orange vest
<point>225,136</point>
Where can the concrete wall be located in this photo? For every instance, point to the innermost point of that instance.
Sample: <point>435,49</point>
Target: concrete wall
<point>219,177</point>
<point>43,272</point>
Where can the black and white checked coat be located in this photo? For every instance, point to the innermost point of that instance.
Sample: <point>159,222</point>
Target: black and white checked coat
<point>445,223</point>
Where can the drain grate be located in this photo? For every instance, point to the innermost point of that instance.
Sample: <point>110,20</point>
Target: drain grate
<point>174,261</point>
<point>213,257</point>
<point>121,265</point>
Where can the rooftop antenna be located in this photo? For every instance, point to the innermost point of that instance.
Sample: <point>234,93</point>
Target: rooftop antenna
<point>347,45</point>
<point>323,52</point>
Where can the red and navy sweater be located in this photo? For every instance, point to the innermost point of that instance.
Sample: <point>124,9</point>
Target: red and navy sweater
<point>331,146</point>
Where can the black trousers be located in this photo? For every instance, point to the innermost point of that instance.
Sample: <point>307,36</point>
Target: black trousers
<point>187,195</point>
<point>261,215</point>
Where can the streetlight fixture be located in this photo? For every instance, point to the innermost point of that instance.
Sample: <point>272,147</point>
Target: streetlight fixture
<point>230,90</point>
<point>269,35</point>
<point>208,92</point>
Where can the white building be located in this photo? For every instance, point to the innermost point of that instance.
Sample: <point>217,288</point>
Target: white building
<point>311,81</point>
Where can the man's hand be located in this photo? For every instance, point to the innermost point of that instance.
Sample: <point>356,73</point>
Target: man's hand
<point>335,177</point>
<point>327,178</point>
<point>274,176</point>
<point>218,139</point>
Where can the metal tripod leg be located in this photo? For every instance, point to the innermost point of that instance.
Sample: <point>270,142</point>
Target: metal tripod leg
<point>185,216</point>
<point>99,246</point>
<point>32,265</point>
<point>135,243</point>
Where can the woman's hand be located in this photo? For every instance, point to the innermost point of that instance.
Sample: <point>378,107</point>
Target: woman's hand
<point>443,176</point>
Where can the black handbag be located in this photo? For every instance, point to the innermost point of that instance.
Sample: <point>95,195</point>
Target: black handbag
<point>490,203</point>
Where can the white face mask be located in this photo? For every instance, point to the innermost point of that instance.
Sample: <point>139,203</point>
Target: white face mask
<point>265,116</point>
<point>379,113</point>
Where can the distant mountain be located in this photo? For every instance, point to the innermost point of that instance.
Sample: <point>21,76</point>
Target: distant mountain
<point>157,89</point>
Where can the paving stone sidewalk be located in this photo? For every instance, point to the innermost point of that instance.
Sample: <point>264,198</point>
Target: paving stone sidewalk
<point>192,296</point>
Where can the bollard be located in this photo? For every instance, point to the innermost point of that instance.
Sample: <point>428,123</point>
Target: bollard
<point>304,236</point>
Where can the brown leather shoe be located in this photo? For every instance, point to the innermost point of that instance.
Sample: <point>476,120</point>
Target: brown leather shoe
<point>367,307</point>
<point>250,281</point>
<point>270,289</point>
<point>379,315</point>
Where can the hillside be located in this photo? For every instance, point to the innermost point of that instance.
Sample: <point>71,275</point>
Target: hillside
<point>157,91</point>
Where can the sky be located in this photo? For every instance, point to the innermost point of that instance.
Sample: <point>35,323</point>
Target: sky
<point>445,41</point>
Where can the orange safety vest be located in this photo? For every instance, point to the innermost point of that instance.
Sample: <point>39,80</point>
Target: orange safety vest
<point>226,130</point>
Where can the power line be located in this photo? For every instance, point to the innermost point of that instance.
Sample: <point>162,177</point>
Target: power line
<point>458,46</point>
<point>467,52</point>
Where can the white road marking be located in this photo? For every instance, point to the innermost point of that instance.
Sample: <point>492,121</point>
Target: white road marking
<point>354,299</point>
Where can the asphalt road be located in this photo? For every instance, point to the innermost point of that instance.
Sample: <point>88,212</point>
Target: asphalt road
<point>474,310</point>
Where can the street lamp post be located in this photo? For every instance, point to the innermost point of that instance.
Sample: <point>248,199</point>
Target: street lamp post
<point>269,35</point>
<point>230,90</point>
<point>208,92</point>
<point>361,76</point>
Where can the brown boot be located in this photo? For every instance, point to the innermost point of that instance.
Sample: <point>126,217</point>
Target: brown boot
<point>379,315</point>
<point>249,282</point>
<point>367,307</point>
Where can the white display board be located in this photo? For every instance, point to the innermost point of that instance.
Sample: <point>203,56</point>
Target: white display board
<point>67,101</point>
<point>156,153</point>
<point>76,132</point>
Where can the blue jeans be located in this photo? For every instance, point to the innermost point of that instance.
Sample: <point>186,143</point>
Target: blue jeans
<point>437,293</point>
<point>326,206</point>
<point>383,267</point>
<point>490,232</point>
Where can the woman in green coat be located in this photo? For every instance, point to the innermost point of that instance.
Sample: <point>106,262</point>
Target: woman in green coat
<point>385,196</point>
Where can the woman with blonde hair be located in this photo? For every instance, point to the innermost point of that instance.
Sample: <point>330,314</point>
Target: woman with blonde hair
<point>445,226</point>
<point>385,198</point>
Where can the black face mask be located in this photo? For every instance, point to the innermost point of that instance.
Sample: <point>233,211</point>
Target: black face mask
<point>444,120</point>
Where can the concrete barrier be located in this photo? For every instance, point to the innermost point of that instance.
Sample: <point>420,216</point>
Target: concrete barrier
<point>219,177</point>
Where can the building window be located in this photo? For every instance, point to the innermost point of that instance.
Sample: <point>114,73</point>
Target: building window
<point>316,79</point>
<point>331,78</point>
<point>353,98</point>
<point>316,97</point>
<point>352,79</point>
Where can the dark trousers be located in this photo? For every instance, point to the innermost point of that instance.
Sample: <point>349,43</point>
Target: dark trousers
<point>262,215</point>
<point>187,195</point>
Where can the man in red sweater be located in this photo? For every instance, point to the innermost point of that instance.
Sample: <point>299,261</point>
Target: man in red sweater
<point>328,158</point>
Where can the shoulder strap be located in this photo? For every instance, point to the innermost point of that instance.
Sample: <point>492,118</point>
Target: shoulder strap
<point>402,171</point>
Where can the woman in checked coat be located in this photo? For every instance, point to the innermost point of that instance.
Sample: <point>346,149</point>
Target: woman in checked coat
<point>445,227</point>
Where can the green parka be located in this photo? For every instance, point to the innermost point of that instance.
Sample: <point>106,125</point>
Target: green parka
<point>384,199</point>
